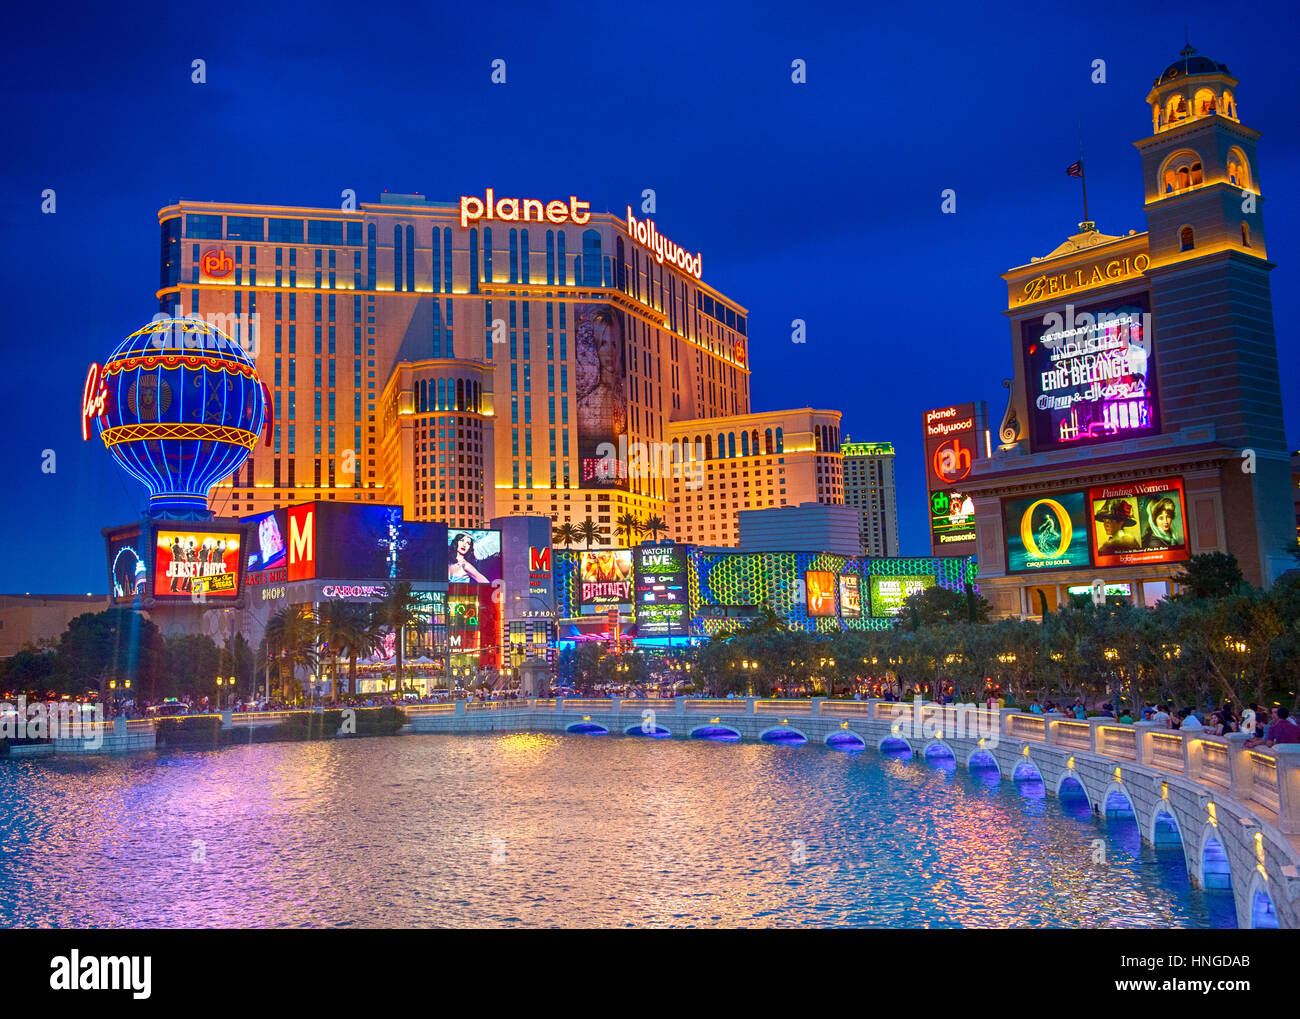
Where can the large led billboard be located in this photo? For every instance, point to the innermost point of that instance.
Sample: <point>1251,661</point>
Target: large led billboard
<point>821,586</point>
<point>952,520</point>
<point>344,541</point>
<point>605,578</point>
<point>889,594</point>
<point>128,564</point>
<point>196,563</point>
<point>661,591</point>
<point>473,557</point>
<point>601,394</point>
<point>1090,374</point>
<point>1046,532</point>
<point>850,596</point>
<point>955,437</point>
<point>1138,522</point>
<point>268,547</point>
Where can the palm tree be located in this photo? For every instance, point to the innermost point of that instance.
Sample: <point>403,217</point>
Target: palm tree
<point>630,525</point>
<point>588,531</point>
<point>566,534</point>
<point>398,610</point>
<point>654,526</point>
<point>291,639</point>
<point>345,629</point>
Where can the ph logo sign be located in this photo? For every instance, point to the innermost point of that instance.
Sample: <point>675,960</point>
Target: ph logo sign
<point>952,461</point>
<point>217,264</point>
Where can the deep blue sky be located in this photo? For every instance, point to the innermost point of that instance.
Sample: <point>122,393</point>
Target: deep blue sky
<point>817,201</point>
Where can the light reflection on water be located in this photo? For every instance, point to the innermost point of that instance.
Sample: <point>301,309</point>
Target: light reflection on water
<point>552,830</point>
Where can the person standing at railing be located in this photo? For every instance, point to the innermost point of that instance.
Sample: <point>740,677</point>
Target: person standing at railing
<point>1282,731</point>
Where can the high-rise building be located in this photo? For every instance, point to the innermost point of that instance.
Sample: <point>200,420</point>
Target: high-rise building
<point>1144,424</point>
<point>869,488</point>
<point>491,356</point>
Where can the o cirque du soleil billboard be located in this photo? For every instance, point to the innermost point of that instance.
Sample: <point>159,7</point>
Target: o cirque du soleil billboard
<point>1046,532</point>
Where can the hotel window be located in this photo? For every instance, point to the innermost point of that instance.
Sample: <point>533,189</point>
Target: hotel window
<point>207,227</point>
<point>1186,239</point>
<point>473,274</point>
<point>370,256</point>
<point>397,257</point>
<point>524,275</point>
<point>410,258</point>
<point>287,231</point>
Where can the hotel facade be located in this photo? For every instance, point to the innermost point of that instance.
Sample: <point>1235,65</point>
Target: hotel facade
<point>492,356</point>
<point>1144,423</point>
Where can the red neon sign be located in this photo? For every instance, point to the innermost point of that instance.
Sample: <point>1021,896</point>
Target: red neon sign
<point>217,264</point>
<point>952,461</point>
<point>94,399</point>
<point>539,560</point>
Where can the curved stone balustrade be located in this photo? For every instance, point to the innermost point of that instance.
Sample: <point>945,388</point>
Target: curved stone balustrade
<point>1231,810</point>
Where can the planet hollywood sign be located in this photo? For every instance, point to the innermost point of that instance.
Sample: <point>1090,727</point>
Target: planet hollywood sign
<point>525,210</point>
<point>665,250</point>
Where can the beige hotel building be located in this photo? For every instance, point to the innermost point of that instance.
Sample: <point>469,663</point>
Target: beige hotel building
<point>488,356</point>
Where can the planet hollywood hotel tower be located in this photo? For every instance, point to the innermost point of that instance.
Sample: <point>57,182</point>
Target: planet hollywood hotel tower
<point>1144,423</point>
<point>489,356</point>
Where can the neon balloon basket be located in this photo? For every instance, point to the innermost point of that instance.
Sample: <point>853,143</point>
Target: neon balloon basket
<point>179,406</point>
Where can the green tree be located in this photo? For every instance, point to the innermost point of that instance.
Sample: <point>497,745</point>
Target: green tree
<point>194,663</point>
<point>291,639</point>
<point>588,531</point>
<point>1210,575</point>
<point>398,609</point>
<point>116,645</point>
<point>346,631</point>
<point>654,526</point>
<point>629,526</point>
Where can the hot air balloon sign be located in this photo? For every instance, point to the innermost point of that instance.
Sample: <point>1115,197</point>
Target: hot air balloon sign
<point>179,406</point>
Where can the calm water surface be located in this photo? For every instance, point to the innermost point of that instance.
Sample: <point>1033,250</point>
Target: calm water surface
<point>553,830</point>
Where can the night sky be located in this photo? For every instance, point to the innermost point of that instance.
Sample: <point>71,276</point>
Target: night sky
<point>818,201</point>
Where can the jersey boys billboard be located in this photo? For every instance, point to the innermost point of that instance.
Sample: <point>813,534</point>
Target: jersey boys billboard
<point>1090,375</point>
<point>1139,522</point>
<point>196,564</point>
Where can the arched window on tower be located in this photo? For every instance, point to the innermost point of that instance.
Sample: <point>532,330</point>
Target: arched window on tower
<point>708,446</point>
<point>1205,102</point>
<point>780,440</point>
<point>460,394</point>
<point>731,445</point>
<point>767,441</point>
<point>744,443</point>
<point>591,258</point>
<point>1245,235</point>
<point>1229,106</point>
<point>817,437</point>
<point>1238,168</point>
<point>1186,239</point>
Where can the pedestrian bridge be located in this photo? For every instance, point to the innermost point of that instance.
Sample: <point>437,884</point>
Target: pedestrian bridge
<point>1234,813</point>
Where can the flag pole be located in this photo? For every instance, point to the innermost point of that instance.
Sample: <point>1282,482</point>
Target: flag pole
<point>1087,223</point>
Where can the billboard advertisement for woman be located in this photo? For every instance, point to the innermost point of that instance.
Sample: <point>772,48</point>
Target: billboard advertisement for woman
<point>1139,522</point>
<point>601,395</point>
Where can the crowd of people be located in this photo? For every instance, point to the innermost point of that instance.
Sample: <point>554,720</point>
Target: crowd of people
<point>1265,727</point>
